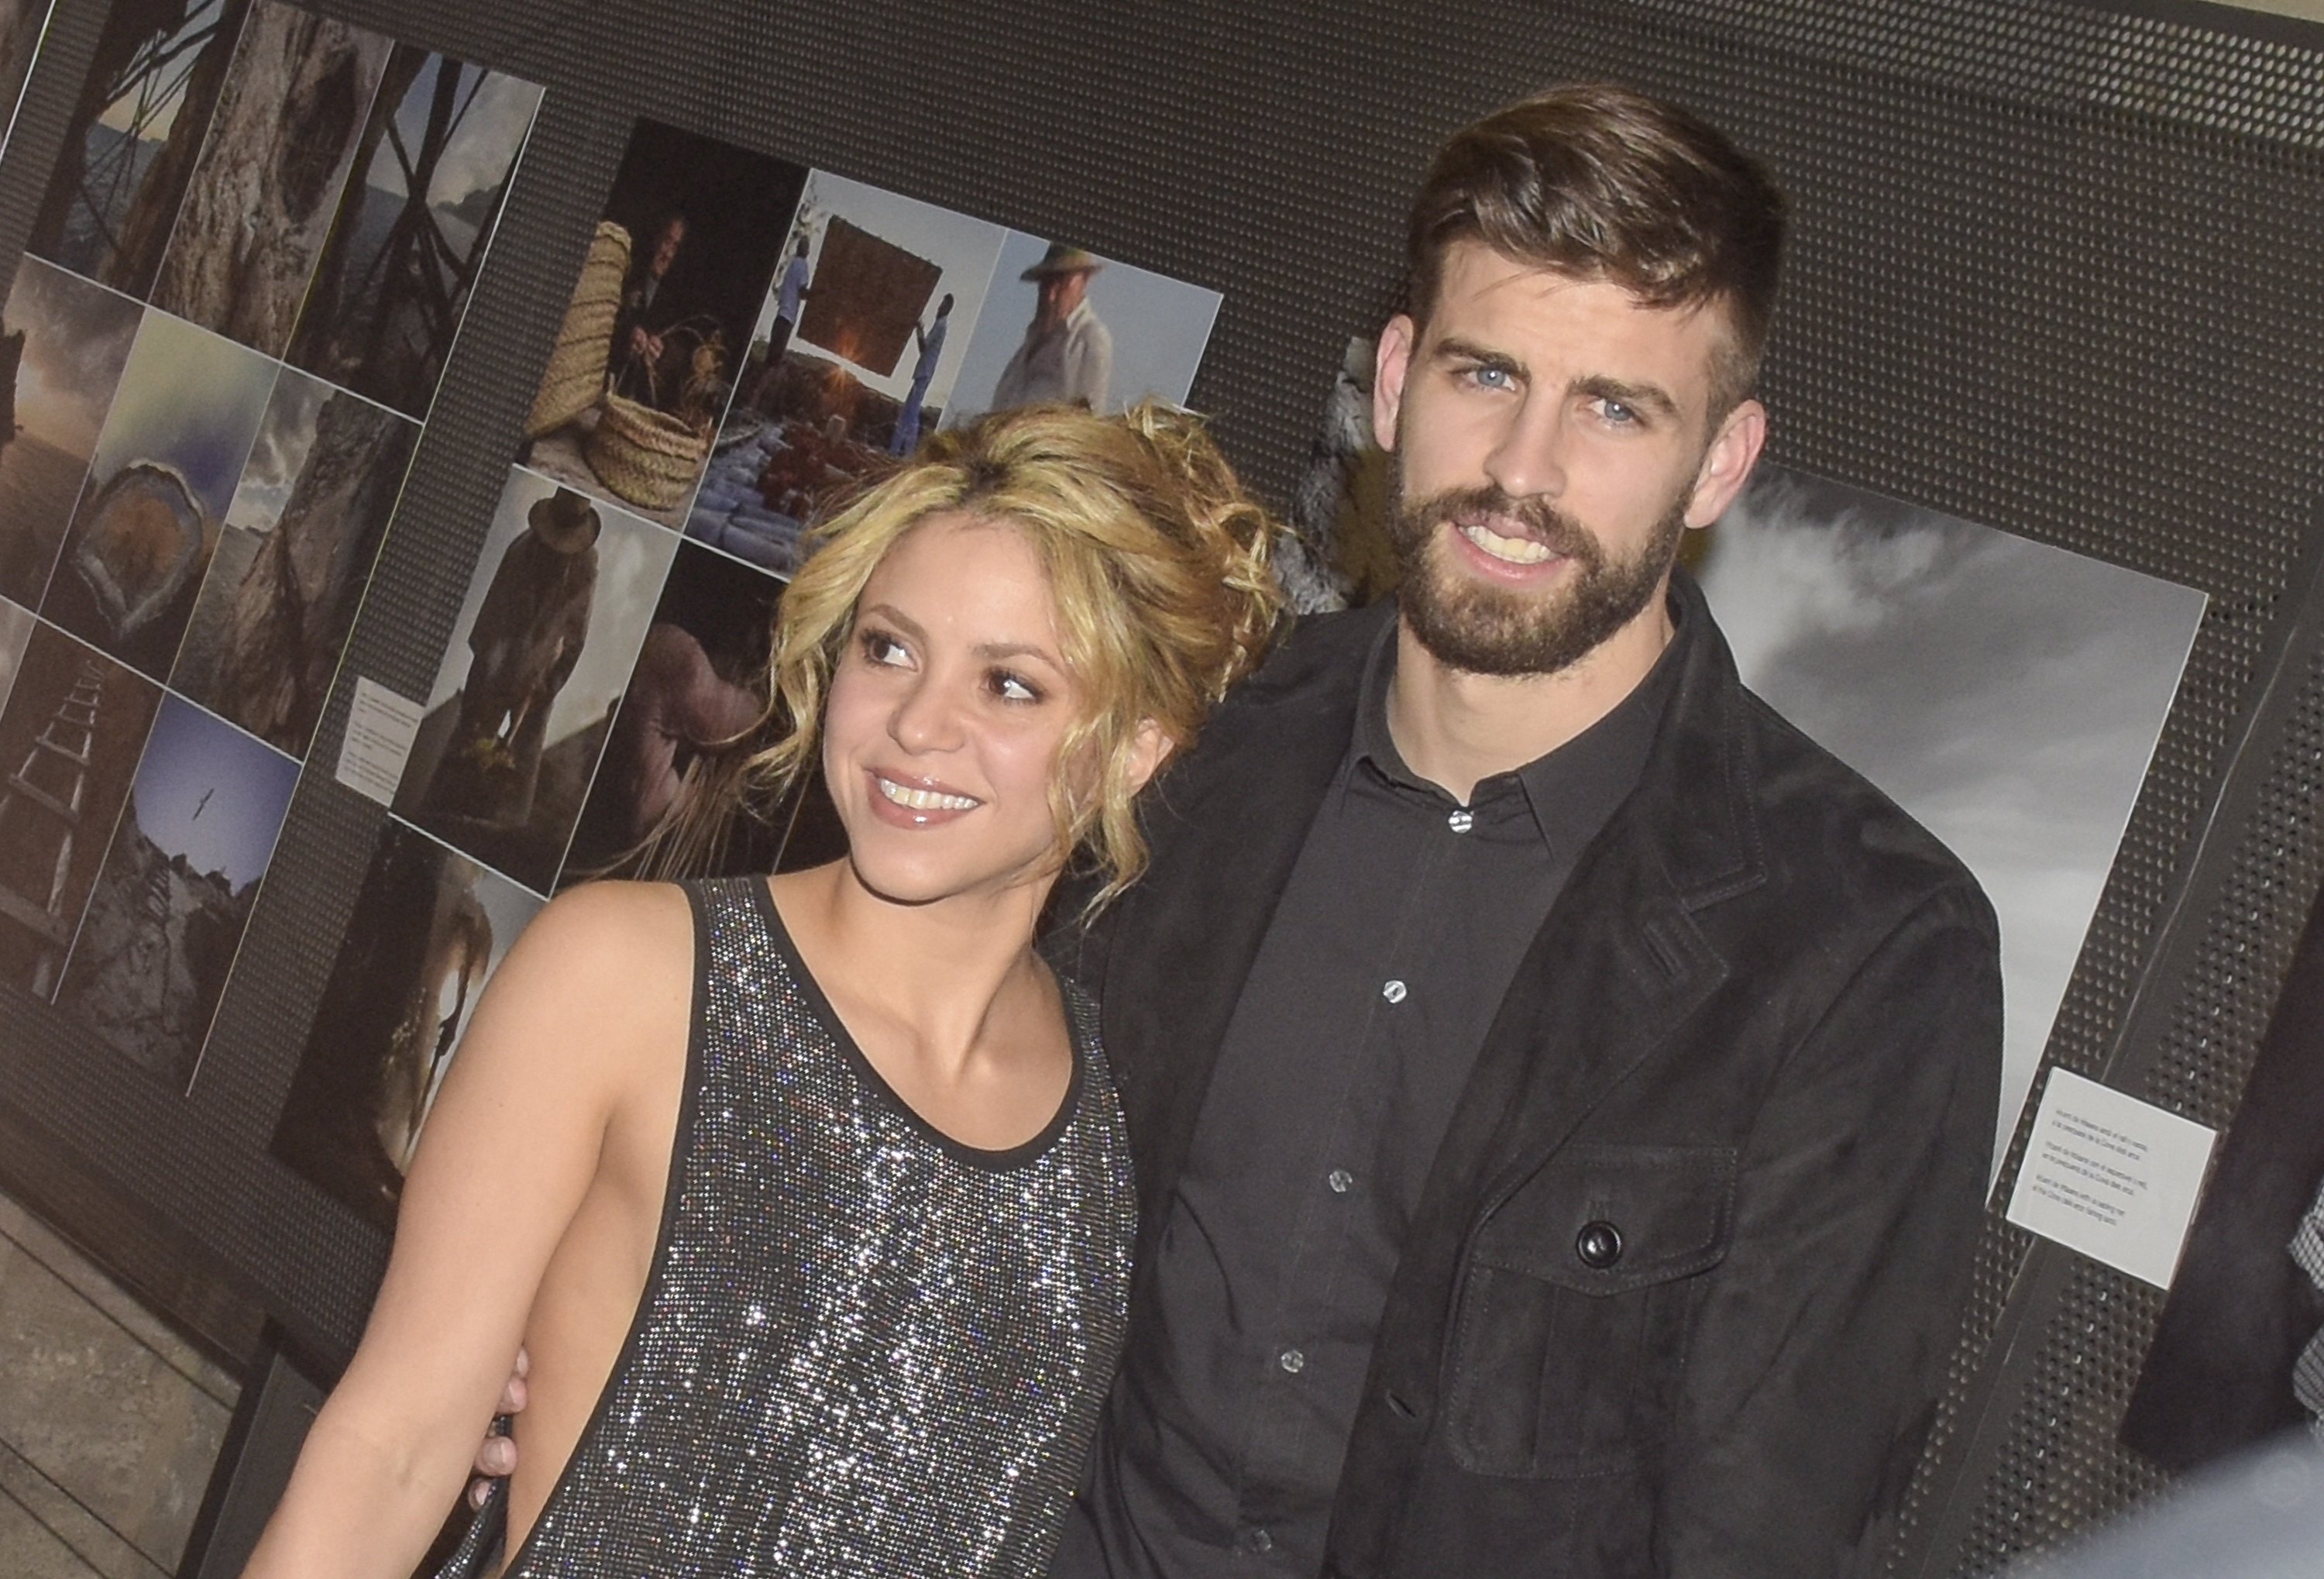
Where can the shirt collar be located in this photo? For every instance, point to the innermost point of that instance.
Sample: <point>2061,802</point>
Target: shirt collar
<point>1572,790</point>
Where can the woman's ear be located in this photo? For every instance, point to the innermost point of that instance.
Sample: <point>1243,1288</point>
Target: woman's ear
<point>1149,750</point>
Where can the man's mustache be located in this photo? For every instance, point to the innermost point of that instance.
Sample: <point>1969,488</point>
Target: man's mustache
<point>1561,533</point>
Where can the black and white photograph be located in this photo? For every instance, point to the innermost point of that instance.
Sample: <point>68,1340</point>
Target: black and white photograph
<point>71,734</point>
<point>63,343</point>
<point>690,712</point>
<point>1063,324</point>
<point>853,358</point>
<point>129,151</point>
<point>658,323</point>
<point>524,700</point>
<point>174,895</point>
<point>2007,694</point>
<point>293,556</point>
<point>262,194</point>
<point>430,927</point>
<point>181,427</point>
<point>432,168</point>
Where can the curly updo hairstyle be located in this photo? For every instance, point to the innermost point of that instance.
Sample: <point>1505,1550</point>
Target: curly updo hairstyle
<point>1156,556</point>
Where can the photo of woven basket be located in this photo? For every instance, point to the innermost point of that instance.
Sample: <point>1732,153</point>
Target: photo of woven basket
<point>647,457</point>
<point>584,341</point>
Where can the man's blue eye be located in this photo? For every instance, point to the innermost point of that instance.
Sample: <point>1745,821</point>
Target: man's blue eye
<point>1490,377</point>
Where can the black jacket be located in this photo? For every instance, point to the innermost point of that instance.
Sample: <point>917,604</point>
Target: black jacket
<point>1682,1283</point>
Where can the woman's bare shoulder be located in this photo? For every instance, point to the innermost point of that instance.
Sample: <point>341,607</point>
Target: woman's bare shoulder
<point>603,964</point>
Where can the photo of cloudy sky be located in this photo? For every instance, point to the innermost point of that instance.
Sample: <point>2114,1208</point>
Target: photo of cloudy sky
<point>2007,693</point>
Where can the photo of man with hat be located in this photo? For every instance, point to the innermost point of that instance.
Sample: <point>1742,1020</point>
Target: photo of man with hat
<point>1068,351</point>
<point>527,636</point>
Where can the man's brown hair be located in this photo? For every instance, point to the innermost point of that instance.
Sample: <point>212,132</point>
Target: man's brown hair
<point>1601,183</point>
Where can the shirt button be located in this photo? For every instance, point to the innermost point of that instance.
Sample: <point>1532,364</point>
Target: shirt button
<point>1259,1540</point>
<point>1461,821</point>
<point>1341,1180</point>
<point>1394,991</point>
<point>1293,1361</point>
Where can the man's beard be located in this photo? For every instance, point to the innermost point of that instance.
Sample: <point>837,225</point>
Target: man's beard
<point>1470,624</point>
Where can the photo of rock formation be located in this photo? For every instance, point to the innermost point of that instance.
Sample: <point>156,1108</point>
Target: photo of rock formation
<point>75,339</point>
<point>69,736</point>
<point>261,200</point>
<point>430,927</point>
<point>292,559</point>
<point>179,429</point>
<point>175,890</point>
<point>130,148</point>
<point>432,166</point>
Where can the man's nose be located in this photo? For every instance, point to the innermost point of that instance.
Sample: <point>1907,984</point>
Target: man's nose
<point>1527,459</point>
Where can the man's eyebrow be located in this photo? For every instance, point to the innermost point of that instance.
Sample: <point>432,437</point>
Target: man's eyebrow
<point>1648,397</point>
<point>1453,348</point>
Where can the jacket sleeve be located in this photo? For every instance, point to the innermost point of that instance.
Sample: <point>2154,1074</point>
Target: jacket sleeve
<point>1814,1368</point>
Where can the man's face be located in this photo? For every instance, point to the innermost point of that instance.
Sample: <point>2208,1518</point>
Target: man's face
<point>1552,441</point>
<point>666,245</point>
<point>1061,293</point>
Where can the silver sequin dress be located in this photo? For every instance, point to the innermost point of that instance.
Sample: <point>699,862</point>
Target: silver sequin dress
<point>864,1348</point>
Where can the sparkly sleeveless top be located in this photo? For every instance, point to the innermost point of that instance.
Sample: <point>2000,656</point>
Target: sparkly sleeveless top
<point>864,1348</point>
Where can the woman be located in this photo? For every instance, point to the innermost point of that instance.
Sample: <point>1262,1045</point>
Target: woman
<point>809,1197</point>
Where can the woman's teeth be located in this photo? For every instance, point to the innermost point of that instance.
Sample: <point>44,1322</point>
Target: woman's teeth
<point>1515,550</point>
<point>925,799</point>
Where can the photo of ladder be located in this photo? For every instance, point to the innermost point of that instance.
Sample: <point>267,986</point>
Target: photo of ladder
<point>41,806</point>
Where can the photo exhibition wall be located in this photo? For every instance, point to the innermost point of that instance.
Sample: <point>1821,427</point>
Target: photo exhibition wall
<point>412,413</point>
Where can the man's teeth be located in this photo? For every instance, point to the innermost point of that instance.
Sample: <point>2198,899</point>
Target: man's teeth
<point>1516,550</point>
<point>925,799</point>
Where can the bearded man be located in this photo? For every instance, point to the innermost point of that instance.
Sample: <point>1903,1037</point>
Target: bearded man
<point>1560,1093</point>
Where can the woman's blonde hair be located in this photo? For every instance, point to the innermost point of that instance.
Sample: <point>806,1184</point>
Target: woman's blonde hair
<point>1156,558</point>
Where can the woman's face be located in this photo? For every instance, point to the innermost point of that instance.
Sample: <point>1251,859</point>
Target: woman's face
<point>947,716</point>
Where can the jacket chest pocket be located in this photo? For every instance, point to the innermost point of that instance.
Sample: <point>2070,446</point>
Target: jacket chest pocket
<point>1572,1332</point>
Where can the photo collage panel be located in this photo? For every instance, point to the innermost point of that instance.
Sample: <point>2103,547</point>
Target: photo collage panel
<point>745,338</point>
<point>243,279</point>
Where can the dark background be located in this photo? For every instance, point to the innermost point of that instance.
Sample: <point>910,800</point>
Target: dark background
<point>2057,269</point>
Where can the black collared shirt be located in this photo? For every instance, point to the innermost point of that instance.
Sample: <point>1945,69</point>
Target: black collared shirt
<point>1395,940</point>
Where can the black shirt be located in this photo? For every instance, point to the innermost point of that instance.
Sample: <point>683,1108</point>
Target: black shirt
<point>1396,937</point>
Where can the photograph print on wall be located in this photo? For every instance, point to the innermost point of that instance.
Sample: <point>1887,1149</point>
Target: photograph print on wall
<point>63,343</point>
<point>130,148</point>
<point>524,700</point>
<point>429,929</point>
<point>174,895</point>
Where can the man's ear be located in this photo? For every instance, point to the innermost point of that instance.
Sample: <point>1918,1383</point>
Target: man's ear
<point>1149,750</point>
<point>1390,363</point>
<point>1727,464</point>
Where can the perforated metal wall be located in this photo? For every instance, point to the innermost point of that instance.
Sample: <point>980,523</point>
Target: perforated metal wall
<point>2057,269</point>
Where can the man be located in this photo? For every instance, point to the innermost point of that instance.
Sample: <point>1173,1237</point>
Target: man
<point>792,292</point>
<point>644,315</point>
<point>1068,352</point>
<point>526,638</point>
<point>931,339</point>
<point>1560,1092</point>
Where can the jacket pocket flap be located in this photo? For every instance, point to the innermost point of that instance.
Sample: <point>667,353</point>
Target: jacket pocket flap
<point>1607,1219</point>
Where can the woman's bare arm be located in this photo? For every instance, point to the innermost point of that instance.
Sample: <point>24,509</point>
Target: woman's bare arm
<point>593,999</point>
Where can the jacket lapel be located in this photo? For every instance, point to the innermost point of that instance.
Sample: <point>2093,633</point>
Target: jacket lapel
<point>1620,963</point>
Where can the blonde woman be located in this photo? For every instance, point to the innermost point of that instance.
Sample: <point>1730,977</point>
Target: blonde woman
<point>821,1245</point>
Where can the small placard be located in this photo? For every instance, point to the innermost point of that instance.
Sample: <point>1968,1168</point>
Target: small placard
<point>380,725</point>
<point>2111,1177</point>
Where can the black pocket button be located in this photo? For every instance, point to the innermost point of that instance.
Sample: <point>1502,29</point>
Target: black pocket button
<point>1598,1244</point>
